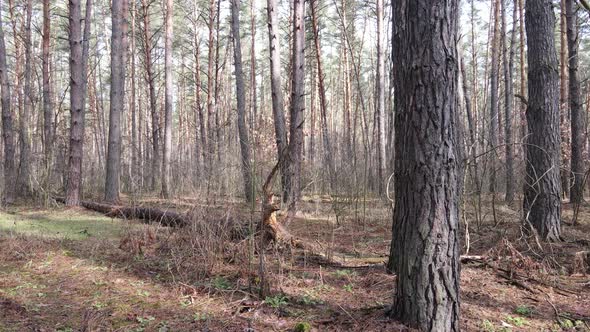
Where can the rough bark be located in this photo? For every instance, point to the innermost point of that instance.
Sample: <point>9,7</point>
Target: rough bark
<point>428,164</point>
<point>48,112</point>
<point>508,60</point>
<point>118,65</point>
<point>79,46</point>
<point>295,150</point>
<point>563,99</point>
<point>542,192</point>
<point>7,124</point>
<point>168,102</point>
<point>576,112</point>
<point>278,110</point>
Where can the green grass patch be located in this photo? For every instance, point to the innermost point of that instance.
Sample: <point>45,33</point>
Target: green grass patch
<point>71,225</point>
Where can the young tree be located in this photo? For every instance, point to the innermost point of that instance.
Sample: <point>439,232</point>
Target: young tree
<point>241,101</point>
<point>7,124</point>
<point>79,47</point>
<point>118,65</point>
<point>542,192</point>
<point>168,100</point>
<point>278,110</point>
<point>24,173</point>
<point>380,97</point>
<point>494,110</point>
<point>428,163</point>
<point>577,115</point>
<point>508,60</point>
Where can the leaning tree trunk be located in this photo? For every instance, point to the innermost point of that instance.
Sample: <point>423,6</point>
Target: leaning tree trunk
<point>278,108</point>
<point>428,164</point>
<point>118,62</point>
<point>577,115</point>
<point>297,105</point>
<point>241,101</point>
<point>7,124</point>
<point>168,103</point>
<point>542,192</point>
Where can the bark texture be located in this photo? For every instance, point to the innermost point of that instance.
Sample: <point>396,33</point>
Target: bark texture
<point>7,124</point>
<point>428,165</point>
<point>575,103</point>
<point>542,192</point>
<point>118,62</point>
<point>168,100</point>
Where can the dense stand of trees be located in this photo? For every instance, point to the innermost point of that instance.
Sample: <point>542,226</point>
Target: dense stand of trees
<point>356,99</point>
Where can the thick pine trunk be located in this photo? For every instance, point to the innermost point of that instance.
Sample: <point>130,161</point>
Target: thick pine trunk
<point>428,166</point>
<point>241,102</point>
<point>79,47</point>
<point>118,65</point>
<point>542,193</point>
<point>278,108</point>
<point>297,105</point>
<point>168,101</point>
<point>7,124</point>
<point>577,115</point>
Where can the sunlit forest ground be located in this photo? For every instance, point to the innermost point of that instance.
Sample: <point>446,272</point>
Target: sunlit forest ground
<point>76,270</point>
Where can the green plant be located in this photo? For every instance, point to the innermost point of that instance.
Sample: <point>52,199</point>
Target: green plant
<point>344,273</point>
<point>302,327</point>
<point>487,326</point>
<point>517,321</point>
<point>197,317</point>
<point>221,283</point>
<point>99,305</point>
<point>348,288</point>
<point>523,310</point>
<point>276,301</point>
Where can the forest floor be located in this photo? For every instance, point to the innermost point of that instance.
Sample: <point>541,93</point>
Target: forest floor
<point>76,270</point>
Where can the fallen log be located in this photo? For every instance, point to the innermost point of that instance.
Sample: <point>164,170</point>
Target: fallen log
<point>148,214</point>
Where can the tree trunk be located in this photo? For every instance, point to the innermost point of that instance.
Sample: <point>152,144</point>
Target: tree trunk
<point>241,102</point>
<point>147,45</point>
<point>297,106</point>
<point>168,101</point>
<point>577,114</point>
<point>48,113</point>
<point>542,193</point>
<point>509,100</point>
<point>117,104</point>
<point>278,110</point>
<point>24,173</point>
<point>427,163</point>
<point>79,46</point>
<point>494,113</point>
<point>210,92</point>
<point>328,154</point>
<point>563,99</point>
<point>7,124</point>
<point>135,147</point>
<point>380,98</point>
